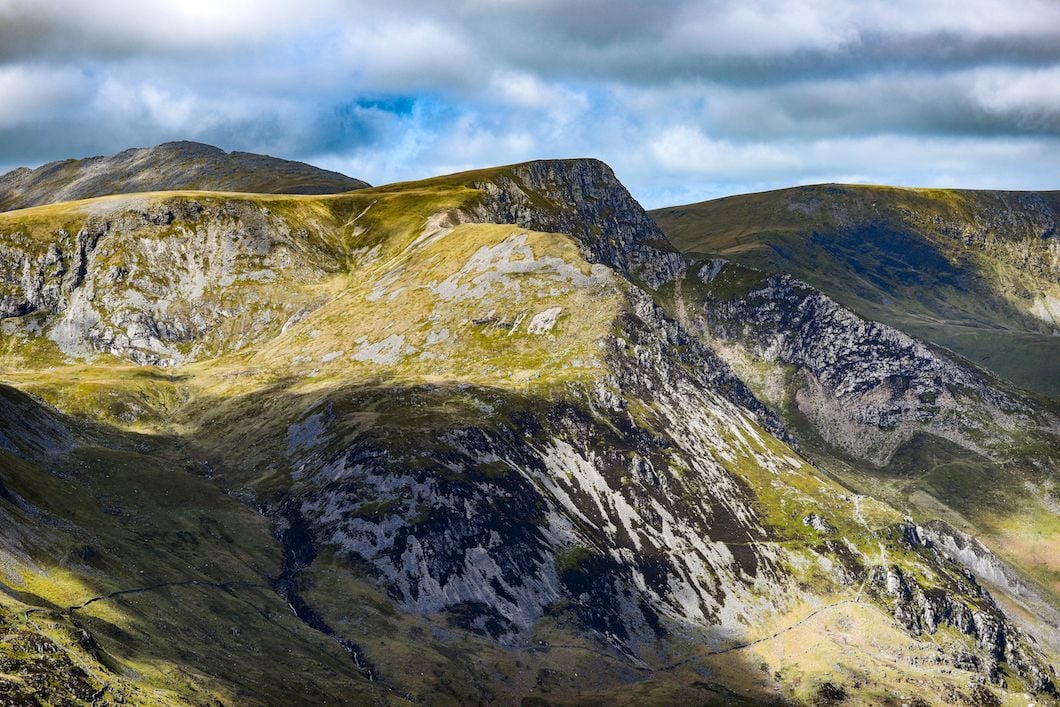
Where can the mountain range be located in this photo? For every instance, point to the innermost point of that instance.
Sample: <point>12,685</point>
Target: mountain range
<point>504,436</point>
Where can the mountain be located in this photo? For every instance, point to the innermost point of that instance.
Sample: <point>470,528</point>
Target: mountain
<point>169,166</point>
<point>888,415</point>
<point>977,272</point>
<point>487,437</point>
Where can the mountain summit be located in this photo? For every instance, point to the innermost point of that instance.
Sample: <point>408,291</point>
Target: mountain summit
<point>170,166</point>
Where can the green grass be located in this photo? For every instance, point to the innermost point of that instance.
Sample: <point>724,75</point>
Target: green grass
<point>573,560</point>
<point>134,519</point>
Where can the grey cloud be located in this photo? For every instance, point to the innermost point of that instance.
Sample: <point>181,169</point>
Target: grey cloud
<point>964,103</point>
<point>119,29</point>
<point>397,89</point>
<point>752,40</point>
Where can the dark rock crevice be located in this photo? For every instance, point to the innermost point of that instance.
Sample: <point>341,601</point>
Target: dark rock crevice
<point>299,551</point>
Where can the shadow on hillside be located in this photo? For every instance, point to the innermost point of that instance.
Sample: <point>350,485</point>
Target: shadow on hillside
<point>259,440</point>
<point>169,576</point>
<point>134,511</point>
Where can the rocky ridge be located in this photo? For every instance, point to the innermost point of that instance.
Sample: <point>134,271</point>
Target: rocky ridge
<point>585,199</point>
<point>974,271</point>
<point>867,387</point>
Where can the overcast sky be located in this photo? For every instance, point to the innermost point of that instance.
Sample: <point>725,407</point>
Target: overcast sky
<point>686,99</point>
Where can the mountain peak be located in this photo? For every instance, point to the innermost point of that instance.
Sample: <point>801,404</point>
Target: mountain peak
<point>178,165</point>
<point>584,198</point>
<point>188,144</point>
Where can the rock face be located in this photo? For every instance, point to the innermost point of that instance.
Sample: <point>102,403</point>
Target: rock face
<point>868,388</point>
<point>572,506</point>
<point>966,607</point>
<point>169,166</point>
<point>964,549</point>
<point>161,283</point>
<point>582,198</point>
<point>975,271</point>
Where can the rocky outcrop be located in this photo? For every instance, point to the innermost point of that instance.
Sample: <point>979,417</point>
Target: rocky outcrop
<point>965,550</point>
<point>634,527</point>
<point>585,199</point>
<point>161,282</point>
<point>867,387</point>
<point>962,548</point>
<point>970,610</point>
<point>170,166</point>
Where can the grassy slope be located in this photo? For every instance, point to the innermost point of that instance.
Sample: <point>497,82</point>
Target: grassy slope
<point>900,256</point>
<point>232,413</point>
<point>130,511</point>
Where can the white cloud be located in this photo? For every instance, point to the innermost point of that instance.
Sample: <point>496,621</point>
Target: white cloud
<point>680,96</point>
<point>30,92</point>
<point>406,53</point>
<point>1005,163</point>
<point>526,90</point>
<point>767,27</point>
<point>685,149</point>
<point>1030,97</point>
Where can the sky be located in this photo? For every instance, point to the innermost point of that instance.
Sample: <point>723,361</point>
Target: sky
<point>686,99</point>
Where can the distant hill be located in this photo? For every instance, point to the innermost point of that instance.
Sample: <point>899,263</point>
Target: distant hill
<point>975,271</point>
<point>169,166</point>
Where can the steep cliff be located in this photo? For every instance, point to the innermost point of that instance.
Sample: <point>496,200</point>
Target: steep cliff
<point>582,198</point>
<point>891,416</point>
<point>867,387</point>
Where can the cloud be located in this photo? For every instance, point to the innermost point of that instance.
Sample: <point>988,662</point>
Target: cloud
<point>31,93</point>
<point>116,29</point>
<point>1030,100</point>
<point>682,97</point>
<point>686,149</point>
<point>981,101</point>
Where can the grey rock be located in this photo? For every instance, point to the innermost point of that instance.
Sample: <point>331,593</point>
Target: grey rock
<point>184,273</point>
<point>867,387</point>
<point>582,198</point>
